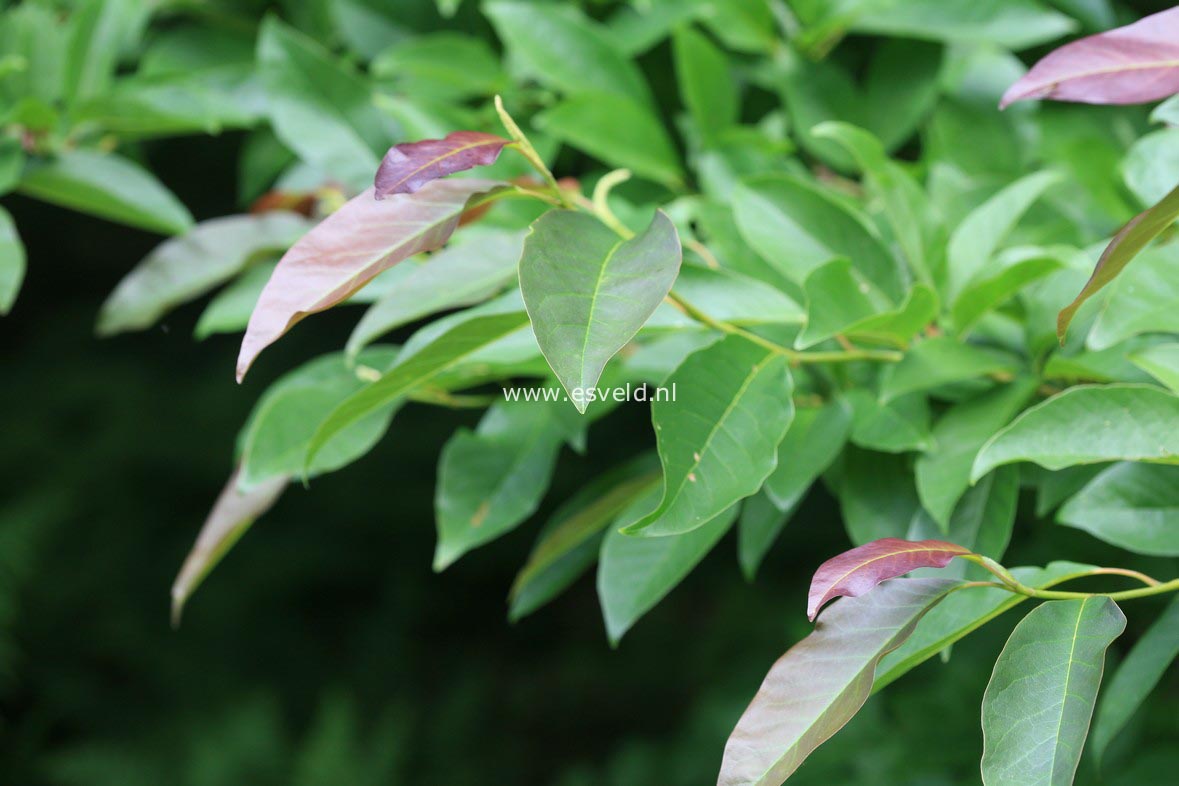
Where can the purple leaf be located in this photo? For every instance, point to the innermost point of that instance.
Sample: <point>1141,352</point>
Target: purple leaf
<point>232,514</point>
<point>409,166</point>
<point>350,247</point>
<point>821,682</point>
<point>856,572</point>
<point>1127,65</point>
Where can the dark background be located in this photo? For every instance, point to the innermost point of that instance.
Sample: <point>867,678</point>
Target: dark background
<point>323,650</point>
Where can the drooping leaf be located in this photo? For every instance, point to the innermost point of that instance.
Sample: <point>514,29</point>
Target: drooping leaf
<point>349,248</point>
<point>1161,361</point>
<point>718,441</point>
<point>229,310</point>
<point>1088,424</point>
<point>635,573</point>
<point>942,360</point>
<point>975,240</point>
<point>617,130</point>
<point>1039,702</point>
<point>1133,506</point>
<point>108,186</point>
<point>821,682</point>
<point>797,227</point>
<point>560,47</point>
<point>437,356</point>
<point>963,613</point>
<point>1126,244</point>
<point>232,514</point>
<point>943,471</point>
<point>982,521</point>
<point>815,438</point>
<point>1128,65</point>
<point>589,291</point>
<point>858,571</point>
<point>410,165</point>
<point>705,82</point>
<point>275,438</point>
<point>1136,677</point>
<point>186,267</point>
<point>876,495</point>
<point>474,266</point>
<point>493,478</point>
<point>319,108</point>
<point>760,524</point>
<point>571,539</point>
<point>12,262</point>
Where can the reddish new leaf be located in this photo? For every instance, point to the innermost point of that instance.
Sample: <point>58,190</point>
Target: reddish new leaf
<point>1127,65</point>
<point>1126,244</point>
<point>409,166</point>
<point>350,247</point>
<point>856,572</point>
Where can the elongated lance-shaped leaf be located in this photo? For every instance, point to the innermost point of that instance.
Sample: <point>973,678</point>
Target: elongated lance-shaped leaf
<point>1131,505</point>
<point>188,266</point>
<point>1136,677</point>
<point>440,355</point>
<point>588,291</point>
<point>1089,424</point>
<point>823,681</point>
<point>814,440</point>
<point>410,165</point>
<point>718,441</point>
<point>232,514</point>
<point>349,248</point>
<point>1128,65</point>
<point>1126,244</point>
<point>12,262</point>
<point>1039,702</point>
<point>858,571</point>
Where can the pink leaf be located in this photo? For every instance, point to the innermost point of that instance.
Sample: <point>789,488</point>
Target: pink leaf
<point>1127,65</point>
<point>409,166</point>
<point>350,247</point>
<point>856,572</point>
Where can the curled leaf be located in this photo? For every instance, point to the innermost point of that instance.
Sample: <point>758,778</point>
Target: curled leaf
<point>1128,65</point>
<point>411,165</point>
<point>349,248</point>
<point>856,572</point>
<point>232,514</point>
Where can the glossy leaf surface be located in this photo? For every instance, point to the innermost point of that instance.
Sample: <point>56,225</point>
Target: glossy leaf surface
<point>410,165</point>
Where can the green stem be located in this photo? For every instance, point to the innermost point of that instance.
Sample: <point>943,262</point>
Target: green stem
<point>1012,584</point>
<point>601,205</point>
<point>521,143</point>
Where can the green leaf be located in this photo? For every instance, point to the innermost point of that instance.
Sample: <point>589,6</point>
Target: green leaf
<point>12,163</point>
<point>982,521</point>
<point>1013,24</point>
<point>963,613</point>
<point>943,471</point>
<point>876,496</point>
<point>939,361</point>
<point>588,291</point>
<point>1161,361</point>
<point>275,438</point>
<point>1136,677</point>
<point>469,270</point>
<point>492,479</point>
<point>229,310</point>
<point>318,108</point>
<point>1039,702</point>
<point>980,234</point>
<point>1126,244</point>
<point>635,573</point>
<point>184,268</point>
<point>815,438</point>
<point>617,130</point>
<point>840,300</point>
<point>108,186</point>
<point>1133,506</point>
<point>233,513</point>
<point>705,82</point>
<point>718,441</point>
<point>1141,301</point>
<point>821,682</point>
<point>33,38</point>
<point>99,29</point>
<point>988,293</point>
<point>571,539</point>
<point>446,64</point>
<point>726,295</point>
<point>1088,424</point>
<point>761,522</point>
<point>777,212</point>
<point>894,427</point>
<point>560,47</point>
<point>12,262</point>
<point>1151,165</point>
<point>436,357</point>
